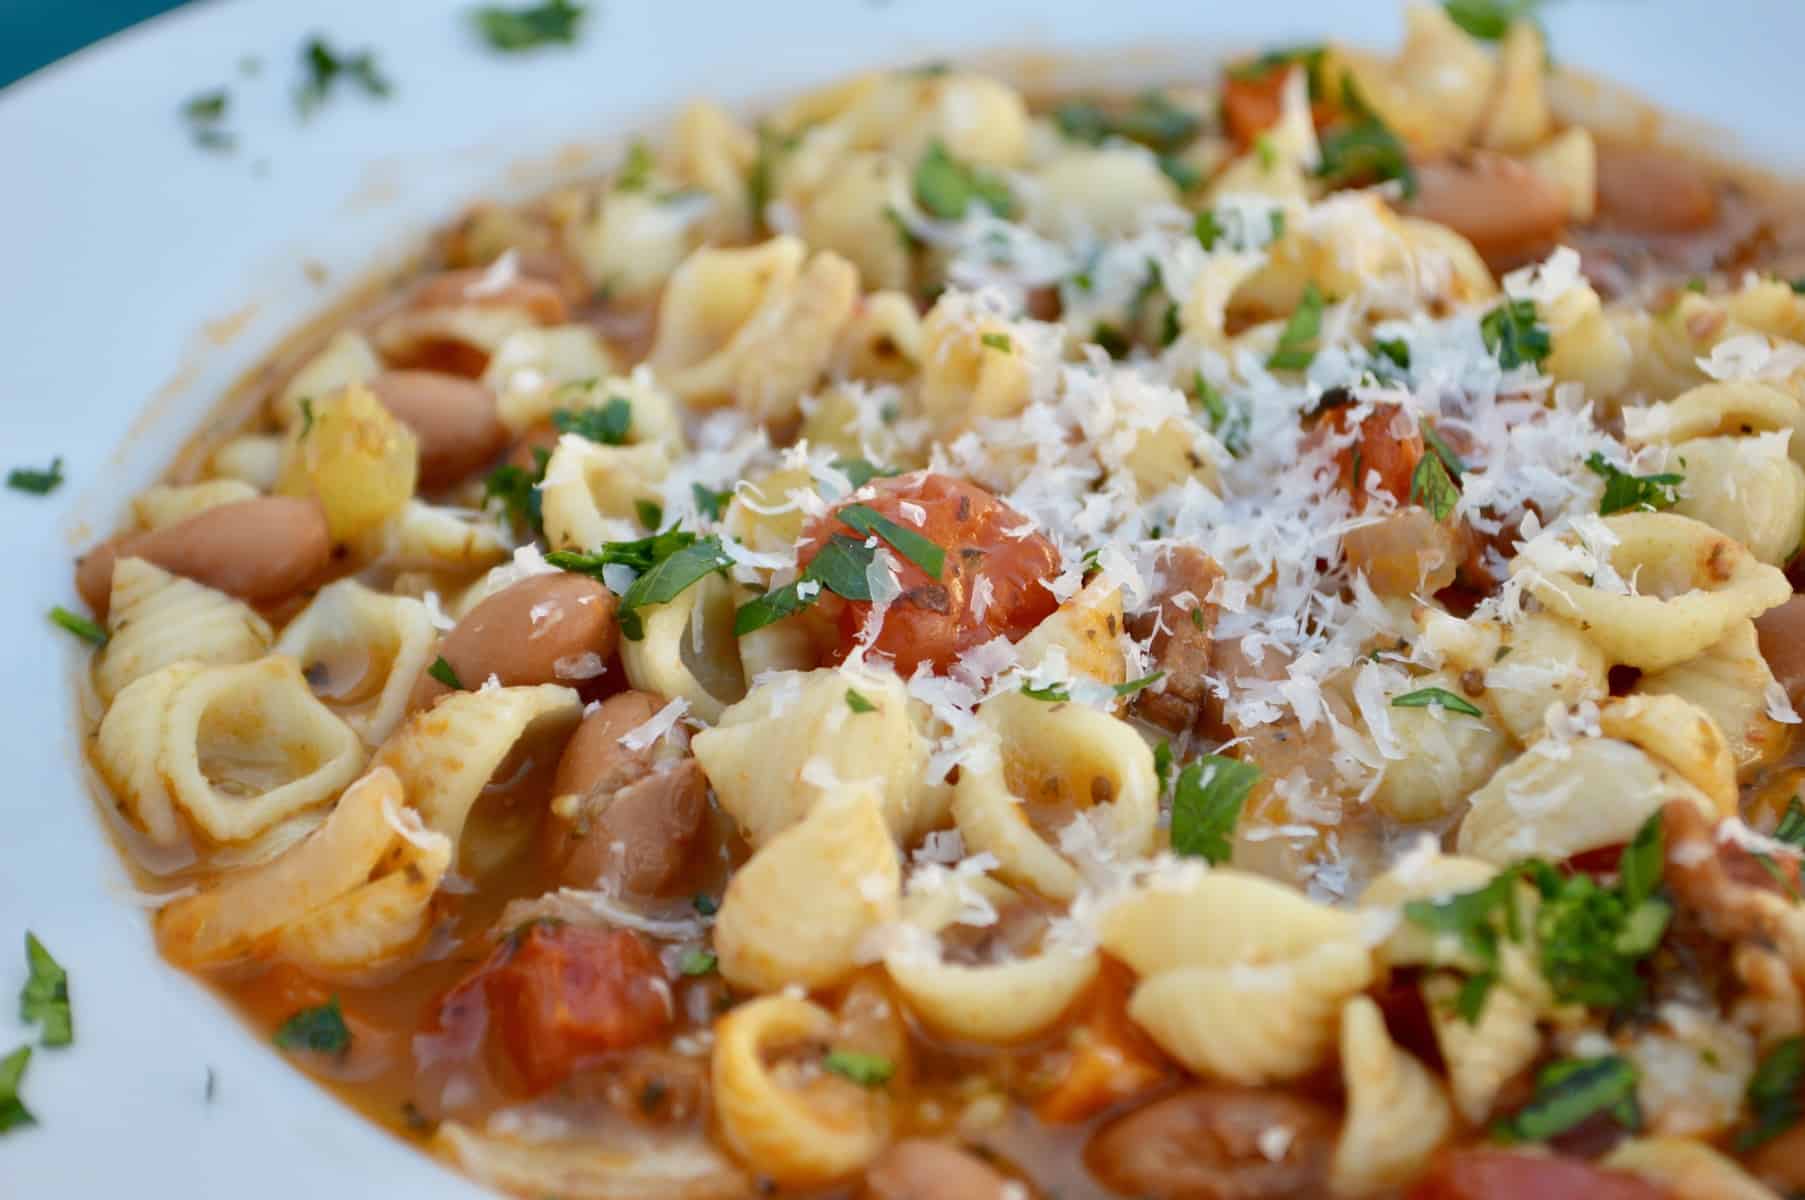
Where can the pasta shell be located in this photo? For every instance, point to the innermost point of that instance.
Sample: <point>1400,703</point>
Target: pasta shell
<point>1220,918</point>
<point>1686,1169</point>
<point>591,491</point>
<point>1482,1056</point>
<point>536,371</point>
<point>689,1169</point>
<point>362,652</point>
<point>156,618</point>
<point>1396,1113</point>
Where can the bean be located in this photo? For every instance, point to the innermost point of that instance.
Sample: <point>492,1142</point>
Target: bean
<point>541,300</point>
<point>1781,634</point>
<point>259,550</point>
<point>594,757</point>
<point>919,1169</point>
<point>636,840</point>
<point>1650,190</point>
<point>1506,210</point>
<point>536,631</point>
<point>454,418</point>
<point>1209,1143</point>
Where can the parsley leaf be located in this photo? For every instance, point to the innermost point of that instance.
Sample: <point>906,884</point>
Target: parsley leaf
<point>1591,941</point>
<point>13,1112</point>
<point>34,481</point>
<point>80,626</point>
<point>1431,486</point>
<point>1438,698</point>
<point>840,567</point>
<point>321,1030</point>
<point>1512,332</point>
<point>1624,492</point>
<point>635,171</point>
<point>518,490</point>
<point>997,341</point>
<point>1571,1091</point>
<point>1397,350</point>
<point>204,114</point>
<point>1152,120</point>
<point>1362,149</point>
<point>709,502</point>
<point>706,905</point>
<point>44,1000</point>
<point>649,512</point>
<point>1206,805</point>
<point>607,425</point>
<point>1162,763</point>
<point>1051,693</point>
<point>446,674</point>
<point>322,67</point>
<point>697,962</point>
<point>1297,341</point>
<point>1639,869</point>
<point>866,1070</point>
<point>1433,440</point>
<point>1791,829</point>
<point>1776,1093</point>
<point>921,551</point>
<point>946,187</point>
<point>668,563</point>
<point>1228,422</point>
<point>860,472</point>
<point>514,29</point>
<point>1488,20</point>
<point>1137,685</point>
<point>856,701</point>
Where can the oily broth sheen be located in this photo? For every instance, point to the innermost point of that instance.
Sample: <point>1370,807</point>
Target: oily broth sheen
<point>400,1077</point>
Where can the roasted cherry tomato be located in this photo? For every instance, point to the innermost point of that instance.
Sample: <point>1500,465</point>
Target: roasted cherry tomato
<point>990,583</point>
<point>1384,443</point>
<point>557,994</point>
<point>1484,1174</point>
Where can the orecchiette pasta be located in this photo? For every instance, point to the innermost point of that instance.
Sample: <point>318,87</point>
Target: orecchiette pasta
<point>590,491</point>
<point>1218,919</point>
<point>346,359</point>
<point>362,652</point>
<point>537,371</point>
<point>156,618</point>
<point>581,1170</point>
<point>687,650</point>
<point>1397,1114</point>
<point>1730,682</point>
<point>1442,757</point>
<point>1484,1054</point>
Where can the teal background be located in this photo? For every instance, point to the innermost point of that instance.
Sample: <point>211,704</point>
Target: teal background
<point>34,33</point>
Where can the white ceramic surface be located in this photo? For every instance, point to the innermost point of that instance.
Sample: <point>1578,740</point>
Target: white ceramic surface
<point>120,242</point>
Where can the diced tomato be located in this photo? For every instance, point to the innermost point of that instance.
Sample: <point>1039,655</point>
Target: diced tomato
<point>1110,1059</point>
<point>935,620</point>
<point>1597,863</point>
<point>1384,442</point>
<point>1485,1174</point>
<point>1251,103</point>
<point>1407,1016</point>
<point>558,994</point>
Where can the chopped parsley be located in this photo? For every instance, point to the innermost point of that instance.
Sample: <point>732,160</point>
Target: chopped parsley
<point>13,1112</point>
<point>856,701</point>
<point>1229,424</point>
<point>44,1001</point>
<point>1137,685</point>
<point>697,961</point>
<point>921,551</point>
<point>1776,1093</point>
<point>1306,56</point>
<point>512,30</point>
<point>1624,492</point>
<point>446,674</point>
<point>1362,149</point>
<point>649,512</point>
<point>1051,693</point>
<point>946,187</point>
<point>1184,176</point>
<point>34,481</point>
<point>37,482</point>
<point>706,905</point>
<point>860,472</point>
<point>80,626</point>
<point>607,425</point>
<point>635,170</point>
<point>1297,341</point>
<point>668,563</point>
<point>306,416</point>
<point>205,115</point>
<point>998,341</point>
<point>322,68</point>
<point>518,490</point>
<point>762,179</point>
<point>1396,350</point>
<point>1433,488</point>
<point>1115,343</point>
<point>866,1070</point>
<point>1152,120</point>
<point>1206,805</point>
<point>710,503</point>
<point>1162,763</point>
<point>1434,697</point>
<point>1791,828</point>
<point>1571,1091</point>
<point>1449,459</point>
<point>1512,332</point>
<point>840,567</point>
<point>321,1030</point>
<point>1488,20</point>
<point>1207,229</point>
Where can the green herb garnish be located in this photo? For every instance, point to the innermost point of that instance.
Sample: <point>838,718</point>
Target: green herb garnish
<point>321,1030</point>
<point>921,551</point>
<point>1206,805</point>
<point>1776,1093</point>
<point>709,502</point>
<point>1571,1091</point>
<point>1433,488</point>
<point>205,115</point>
<point>946,187</point>
<point>1137,685</point>
<point>1434,697</point>
<point>34,481</point>
<point>1362,149</point>
<point>839,567</point>
<point>1488,20</point>
<point>1297,341</point>
<point>1791,828</point>
<point>1512,332</point>
<point>1152,120</point>
<point>859,472</point>
<point>13,1112</point>
<point>79,625</point>
<point>1051,693</point>
<point>997,341</point>
<point>649,512</point>
<point>866,1070</point>
<point>856,701</point>
<point>1624,492</point>
<point>1449,459</point>
<point>607,425</point>
<point>697,962</point>
<point>322,67</point>
<point>44,1001</point>
<point>515,29</point>
<point>518,490</point>
<point>668,563</point>
<point>445,673</point>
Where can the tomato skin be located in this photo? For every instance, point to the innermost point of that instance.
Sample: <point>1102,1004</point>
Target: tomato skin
<point>1487,1174</point>
<point>557,994</point>
<point>1380,445</point>
<point>934,621</point>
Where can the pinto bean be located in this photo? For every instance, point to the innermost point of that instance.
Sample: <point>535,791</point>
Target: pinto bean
<point>1650,190</point>
<point>919,1169</point>
<point>1781,632</point>
<point>1506,210</point>
<point>540,630</point>
<point>594,757</point>
<point>454,419</point>
<point>1181,629</point>
<point>639,837</point>
<point>258,550</point>
<point>1212,1143</point>
<point>541,300</point>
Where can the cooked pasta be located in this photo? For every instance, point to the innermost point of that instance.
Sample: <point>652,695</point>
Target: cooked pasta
<point>964,637</point>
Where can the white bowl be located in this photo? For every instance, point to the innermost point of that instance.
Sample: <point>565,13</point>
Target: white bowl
<point>139,275</point>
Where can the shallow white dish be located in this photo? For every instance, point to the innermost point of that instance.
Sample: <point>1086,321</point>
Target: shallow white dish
<point>142,275</point>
